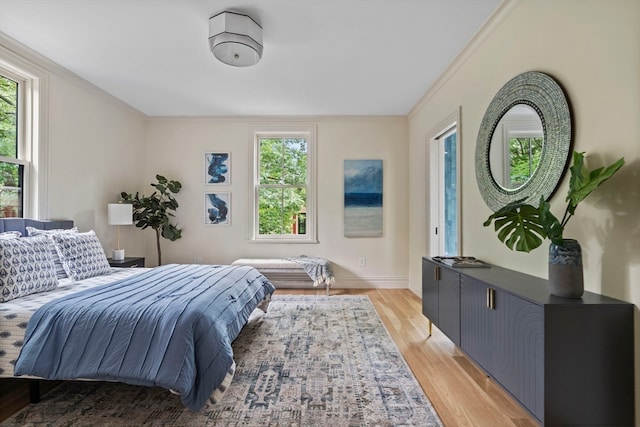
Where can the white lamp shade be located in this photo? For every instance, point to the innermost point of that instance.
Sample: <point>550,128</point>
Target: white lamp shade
<point>235,39</point>
<point>120,214</point>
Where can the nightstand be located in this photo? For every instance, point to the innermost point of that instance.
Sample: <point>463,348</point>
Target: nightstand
<point>127,262</point>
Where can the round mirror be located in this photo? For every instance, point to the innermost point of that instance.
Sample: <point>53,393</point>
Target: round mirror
<point>524,141</point>
<point>516,147</point>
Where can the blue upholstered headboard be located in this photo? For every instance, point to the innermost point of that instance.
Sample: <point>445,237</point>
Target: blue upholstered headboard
<point>20,224</point>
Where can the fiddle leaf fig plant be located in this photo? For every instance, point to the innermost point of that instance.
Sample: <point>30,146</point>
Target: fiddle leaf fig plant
<point>523,227</point>
<point>156,210</point>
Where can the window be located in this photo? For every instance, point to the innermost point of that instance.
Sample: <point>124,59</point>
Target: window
<point>516,147</point>
<point>23,89</point>
<point>283,184</point>
<point>12,152</point>
<point>525,153</point>
<point>444,176</point>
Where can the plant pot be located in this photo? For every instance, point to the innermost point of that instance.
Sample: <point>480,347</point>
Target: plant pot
<point>565,269</point>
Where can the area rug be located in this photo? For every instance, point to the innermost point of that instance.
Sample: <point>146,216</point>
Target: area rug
<point>309,361</point>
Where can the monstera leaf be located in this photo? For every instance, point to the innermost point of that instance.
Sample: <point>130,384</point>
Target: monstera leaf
<point>518,226</point>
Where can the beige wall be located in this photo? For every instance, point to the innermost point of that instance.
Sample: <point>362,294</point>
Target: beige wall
<point>592,48</point>
<point>175,148</point>
<point>93,145</point>
<point>98,147</point>
<point>95,152</point>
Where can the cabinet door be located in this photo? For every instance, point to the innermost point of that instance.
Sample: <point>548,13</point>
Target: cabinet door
<point>518,349</point>
<point>504,334</point>
<point>449,304</point>
<point>430,290</point>
<point>475,322</point>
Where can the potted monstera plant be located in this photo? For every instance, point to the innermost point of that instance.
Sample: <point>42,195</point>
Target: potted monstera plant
<point>156,210</point>
<point>523,227</point>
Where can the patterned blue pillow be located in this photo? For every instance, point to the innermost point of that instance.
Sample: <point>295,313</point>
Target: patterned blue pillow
<point>26,267</point>
<point>81,254</point>
<point>31,231</point>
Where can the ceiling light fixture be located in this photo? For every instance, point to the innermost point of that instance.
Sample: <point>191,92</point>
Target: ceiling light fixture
<point>235,39</point>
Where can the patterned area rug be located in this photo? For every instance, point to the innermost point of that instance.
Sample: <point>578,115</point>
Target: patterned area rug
<point>309,361</point>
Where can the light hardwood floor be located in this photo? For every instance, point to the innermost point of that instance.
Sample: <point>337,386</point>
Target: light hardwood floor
<point>459,391</point>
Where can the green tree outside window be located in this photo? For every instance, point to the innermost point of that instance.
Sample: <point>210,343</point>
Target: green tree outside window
<point>282,188</point>
<point>10,173</point>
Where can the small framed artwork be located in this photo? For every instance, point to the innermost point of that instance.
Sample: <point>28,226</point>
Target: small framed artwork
<point>217,208</point>
<point>217,168</point>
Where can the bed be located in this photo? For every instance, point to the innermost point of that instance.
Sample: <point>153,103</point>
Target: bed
<point>170,326</point>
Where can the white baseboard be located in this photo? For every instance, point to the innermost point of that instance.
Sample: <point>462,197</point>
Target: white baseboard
<point>371,283</point>
<point>349,283</point>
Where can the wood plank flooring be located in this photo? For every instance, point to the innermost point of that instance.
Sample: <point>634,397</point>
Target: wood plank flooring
<point>459,391</point>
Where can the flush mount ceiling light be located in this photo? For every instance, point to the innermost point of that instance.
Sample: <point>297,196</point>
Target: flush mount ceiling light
<point>235,39</point>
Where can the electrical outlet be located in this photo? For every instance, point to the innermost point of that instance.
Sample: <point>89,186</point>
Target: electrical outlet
<point>362,262</point>
<point>197,260</point>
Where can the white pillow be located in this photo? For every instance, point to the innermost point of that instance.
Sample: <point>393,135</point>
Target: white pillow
<point>81,254</point>
<point>10,234</point>
<point>56,259</point>
<point>26,267</point>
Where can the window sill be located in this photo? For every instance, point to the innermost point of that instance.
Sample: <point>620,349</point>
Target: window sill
<point>286,241</point>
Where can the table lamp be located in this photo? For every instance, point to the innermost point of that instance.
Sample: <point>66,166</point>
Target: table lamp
<point>119,214</point>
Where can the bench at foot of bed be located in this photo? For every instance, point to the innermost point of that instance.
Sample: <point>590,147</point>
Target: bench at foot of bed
<point>286,273</point>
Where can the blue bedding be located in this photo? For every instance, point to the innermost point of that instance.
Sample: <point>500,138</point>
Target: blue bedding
<point>171,327</point>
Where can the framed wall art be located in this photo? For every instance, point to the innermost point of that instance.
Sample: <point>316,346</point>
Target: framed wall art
<point>217,208</point>
<point>363,198</point>
<point>217,168</point>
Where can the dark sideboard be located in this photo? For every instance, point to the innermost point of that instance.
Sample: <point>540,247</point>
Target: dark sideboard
<point>569,362</point>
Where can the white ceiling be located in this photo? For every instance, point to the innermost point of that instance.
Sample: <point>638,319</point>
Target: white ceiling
<point>321,57</point>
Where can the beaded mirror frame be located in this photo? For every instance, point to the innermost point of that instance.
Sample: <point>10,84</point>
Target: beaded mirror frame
<point>544,95</point>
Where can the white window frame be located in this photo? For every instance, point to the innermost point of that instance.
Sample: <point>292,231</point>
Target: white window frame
<point>272,130</point>
<point>32,135</point>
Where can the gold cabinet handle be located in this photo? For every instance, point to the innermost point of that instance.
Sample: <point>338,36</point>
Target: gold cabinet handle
<point>491,298</point>
<point>436,273</point>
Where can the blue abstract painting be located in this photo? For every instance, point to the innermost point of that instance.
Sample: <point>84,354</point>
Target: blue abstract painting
<point>217,207</point>
<point>363,198</point>
<point>217,168</point>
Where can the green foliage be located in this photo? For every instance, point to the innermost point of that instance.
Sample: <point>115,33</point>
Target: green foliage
<point>8,117</point>
<point>10,199</point>
<point>156,210</point>
<point>525,156</point>
<point>518,226</point>
<point>283,176</point>
<point>523,227</point>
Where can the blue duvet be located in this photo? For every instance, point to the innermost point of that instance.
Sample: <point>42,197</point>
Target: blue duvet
<point>170,327</point>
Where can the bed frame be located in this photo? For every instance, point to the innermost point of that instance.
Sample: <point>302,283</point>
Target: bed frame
<point>21,224</point>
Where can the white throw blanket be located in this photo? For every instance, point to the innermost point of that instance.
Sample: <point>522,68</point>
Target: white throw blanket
<point>318,269</point>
